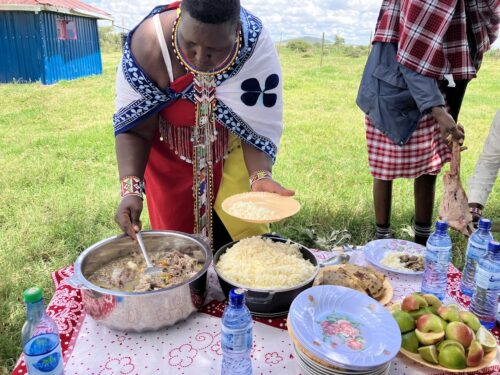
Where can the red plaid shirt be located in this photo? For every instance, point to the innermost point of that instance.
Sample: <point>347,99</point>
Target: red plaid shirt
<point>432,34</point>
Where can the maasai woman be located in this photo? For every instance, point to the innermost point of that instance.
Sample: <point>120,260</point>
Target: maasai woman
<point>198,113</point>
<point>424,52</point>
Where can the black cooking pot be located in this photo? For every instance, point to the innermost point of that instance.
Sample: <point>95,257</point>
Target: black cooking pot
<point>269,302</point>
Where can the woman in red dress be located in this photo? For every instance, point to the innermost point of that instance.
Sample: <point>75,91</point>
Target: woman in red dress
<point>199,112</point>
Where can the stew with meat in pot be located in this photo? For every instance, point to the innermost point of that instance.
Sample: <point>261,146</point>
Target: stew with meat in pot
<point>127,273</point>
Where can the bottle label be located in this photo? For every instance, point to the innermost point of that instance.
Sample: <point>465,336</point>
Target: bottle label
<point>237,340</point>
<point>438,254</point>
<point>487,280</point>
<point>475,252</point>
<point>49,363</point>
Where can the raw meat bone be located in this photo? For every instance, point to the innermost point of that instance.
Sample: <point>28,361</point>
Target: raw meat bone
<point>454,206</point>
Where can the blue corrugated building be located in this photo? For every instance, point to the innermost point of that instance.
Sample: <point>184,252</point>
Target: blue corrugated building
<point>49,40</point>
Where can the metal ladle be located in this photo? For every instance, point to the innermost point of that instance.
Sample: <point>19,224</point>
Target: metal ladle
<point>150,269</point>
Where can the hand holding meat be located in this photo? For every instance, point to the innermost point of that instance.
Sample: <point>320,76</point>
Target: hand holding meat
<point>450,131</point>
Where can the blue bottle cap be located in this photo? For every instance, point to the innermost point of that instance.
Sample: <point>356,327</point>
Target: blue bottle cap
<point>484,224</point>
<point>237,297</point>
<point>441,225</point>
<point>494,247</point>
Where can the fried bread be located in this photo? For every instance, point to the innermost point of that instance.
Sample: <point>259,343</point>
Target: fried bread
<point>363,279</point>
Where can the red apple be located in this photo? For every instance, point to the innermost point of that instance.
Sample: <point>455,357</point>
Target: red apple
<point>413,302</point>
<point>429,323</point>
<point>449,314</point>
<point>475,355</point>
<point>460,332</point>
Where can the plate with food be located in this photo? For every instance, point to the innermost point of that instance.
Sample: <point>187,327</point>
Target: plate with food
<point>260,207</point>
<point>363,279</point>
<point>442,336</point>
<point>397,256</point>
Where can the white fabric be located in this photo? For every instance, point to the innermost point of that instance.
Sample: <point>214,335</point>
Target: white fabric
<point>483,179</point>
<point>124,93</point>
<point>193,346</point>
<point>163,46</point>
<point>190,347</point>
<point>267,122</point>
<point>137,97</point>
<point>451,81</point>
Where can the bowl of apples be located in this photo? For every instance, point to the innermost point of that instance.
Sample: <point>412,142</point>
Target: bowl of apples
<point>442,336</point>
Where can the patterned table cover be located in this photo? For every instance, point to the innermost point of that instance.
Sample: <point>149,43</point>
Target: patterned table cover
<point>193,346</point>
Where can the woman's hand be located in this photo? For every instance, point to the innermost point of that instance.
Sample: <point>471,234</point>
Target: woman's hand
<point>450,131</point>
<point>270,186</point>
<point>128,215</point>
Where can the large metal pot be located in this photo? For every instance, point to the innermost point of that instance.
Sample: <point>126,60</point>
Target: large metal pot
<point>269,302</point>
<point>142,311</point>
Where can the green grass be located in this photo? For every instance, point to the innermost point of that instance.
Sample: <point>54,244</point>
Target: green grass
<point>58,174</point>
<point>324,154</point>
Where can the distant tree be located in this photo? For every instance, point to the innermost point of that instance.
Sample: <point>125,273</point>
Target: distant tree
<point>339,41</point>
<point>356,51</point>
<point>353,52</point>
<point>109,40</point>
<point>298,45</point>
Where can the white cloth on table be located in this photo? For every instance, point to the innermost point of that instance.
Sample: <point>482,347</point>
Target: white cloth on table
<point>193,346</point>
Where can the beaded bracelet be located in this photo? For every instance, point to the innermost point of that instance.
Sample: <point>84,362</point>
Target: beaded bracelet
<point>259,175</point>
<point>131,185</point>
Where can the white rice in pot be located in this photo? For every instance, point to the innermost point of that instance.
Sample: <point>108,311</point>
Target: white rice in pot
<point>259,263</point>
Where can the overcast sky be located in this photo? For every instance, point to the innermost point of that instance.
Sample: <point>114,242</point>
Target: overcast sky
<point>352,19</point>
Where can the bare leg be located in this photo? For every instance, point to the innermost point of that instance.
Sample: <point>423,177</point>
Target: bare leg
<point>382,201</point>
<point>424,190</point>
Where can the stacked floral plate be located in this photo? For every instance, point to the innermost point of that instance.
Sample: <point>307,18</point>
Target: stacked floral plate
<point>337,330</point>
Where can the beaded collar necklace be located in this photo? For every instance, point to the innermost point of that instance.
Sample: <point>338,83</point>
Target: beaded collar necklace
<point>203,133</point>
<point>221,68</point>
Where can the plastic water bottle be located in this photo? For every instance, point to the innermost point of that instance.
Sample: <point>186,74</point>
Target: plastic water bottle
<point>236,338</point>
<point>437,258</point>
<point>40,337</point>
<point>477,248</point>
<point>484,303</point>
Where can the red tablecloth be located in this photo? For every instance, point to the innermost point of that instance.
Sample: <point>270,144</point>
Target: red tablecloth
<point>104,352</point>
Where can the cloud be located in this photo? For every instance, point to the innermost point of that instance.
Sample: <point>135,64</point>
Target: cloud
<point>354,20</point>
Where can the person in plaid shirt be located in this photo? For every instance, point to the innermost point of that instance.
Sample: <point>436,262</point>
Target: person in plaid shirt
<point>424,53</point>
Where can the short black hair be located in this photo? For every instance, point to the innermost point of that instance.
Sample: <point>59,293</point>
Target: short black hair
<point>213,11</point>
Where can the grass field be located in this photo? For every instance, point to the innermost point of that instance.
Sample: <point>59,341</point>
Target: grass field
<point>58,177</point>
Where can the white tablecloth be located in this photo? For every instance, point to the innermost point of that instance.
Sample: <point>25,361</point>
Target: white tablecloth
<point>193,346</point>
